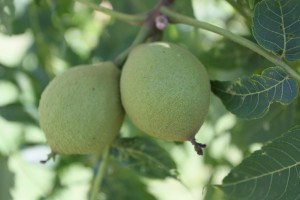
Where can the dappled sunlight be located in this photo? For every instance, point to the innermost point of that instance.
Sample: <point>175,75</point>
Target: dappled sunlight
<point>250,91</point>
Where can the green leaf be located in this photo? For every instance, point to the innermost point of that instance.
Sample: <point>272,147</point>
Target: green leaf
<point>184,7</point>
<point>272,125</point>
<point>6,180</point>
<point>112,43</point>
<point>144,156</point>
<point>15,112</point>
<point>133,6</point>
<point>276,27</point>
<point>7,12</point>
<point>251,3</point>
<point>248,3</point>
<point>213,193</point>
<point>270,173</point>
<point>250,97</point>
<point>123,183</point>
<point>8,73</point>
<point>228,55</point>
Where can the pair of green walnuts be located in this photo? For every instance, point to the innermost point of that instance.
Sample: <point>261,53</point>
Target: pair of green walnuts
<point>163,89</point>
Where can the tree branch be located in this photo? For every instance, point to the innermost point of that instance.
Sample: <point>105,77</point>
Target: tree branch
<point>132,19</point>
<point>178,18</point>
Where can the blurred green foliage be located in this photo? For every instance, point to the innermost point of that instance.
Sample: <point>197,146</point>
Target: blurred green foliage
<point>7,179</point>
<point>7,11</point>
<point>59,34</point>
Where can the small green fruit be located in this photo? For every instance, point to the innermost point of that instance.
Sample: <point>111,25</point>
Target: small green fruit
<point>165,91</point>
<point>80,110</point>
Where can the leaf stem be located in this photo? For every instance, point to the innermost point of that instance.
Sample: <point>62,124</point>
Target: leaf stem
<point>118,15</point>
<point>141,37</point>
<point>178,18</point>
<point>100,175</point>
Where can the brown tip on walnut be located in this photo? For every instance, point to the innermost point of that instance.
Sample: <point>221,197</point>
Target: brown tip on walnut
<point>49,157</point>
<point>198,146</point>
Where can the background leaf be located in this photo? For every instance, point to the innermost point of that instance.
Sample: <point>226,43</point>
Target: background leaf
<point>250,3</point>
<point>15,112</point>
<point>250,97</point>
<point>112,43</point>
<point>145,156</point>
<point>279,119</point>
<point>185,7</point>
<point>270,173</point>
<point>8,73</point>
<point>276,27</point>
<point>227,55</point>
<point>6,180</point>
<point>7,12</point>
<point>133,6</point>
<point>122,180</point>
<point>52,36</point>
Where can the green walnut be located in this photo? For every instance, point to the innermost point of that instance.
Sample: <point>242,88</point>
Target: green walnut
<point>165,91</point>
<point>80,110</point>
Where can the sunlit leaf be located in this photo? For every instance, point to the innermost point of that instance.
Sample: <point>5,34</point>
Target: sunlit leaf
<point>270,173</point>
<point>145,156</point>
<point>250,97</point>
<point>276,27</point>
<point>35,178</point>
